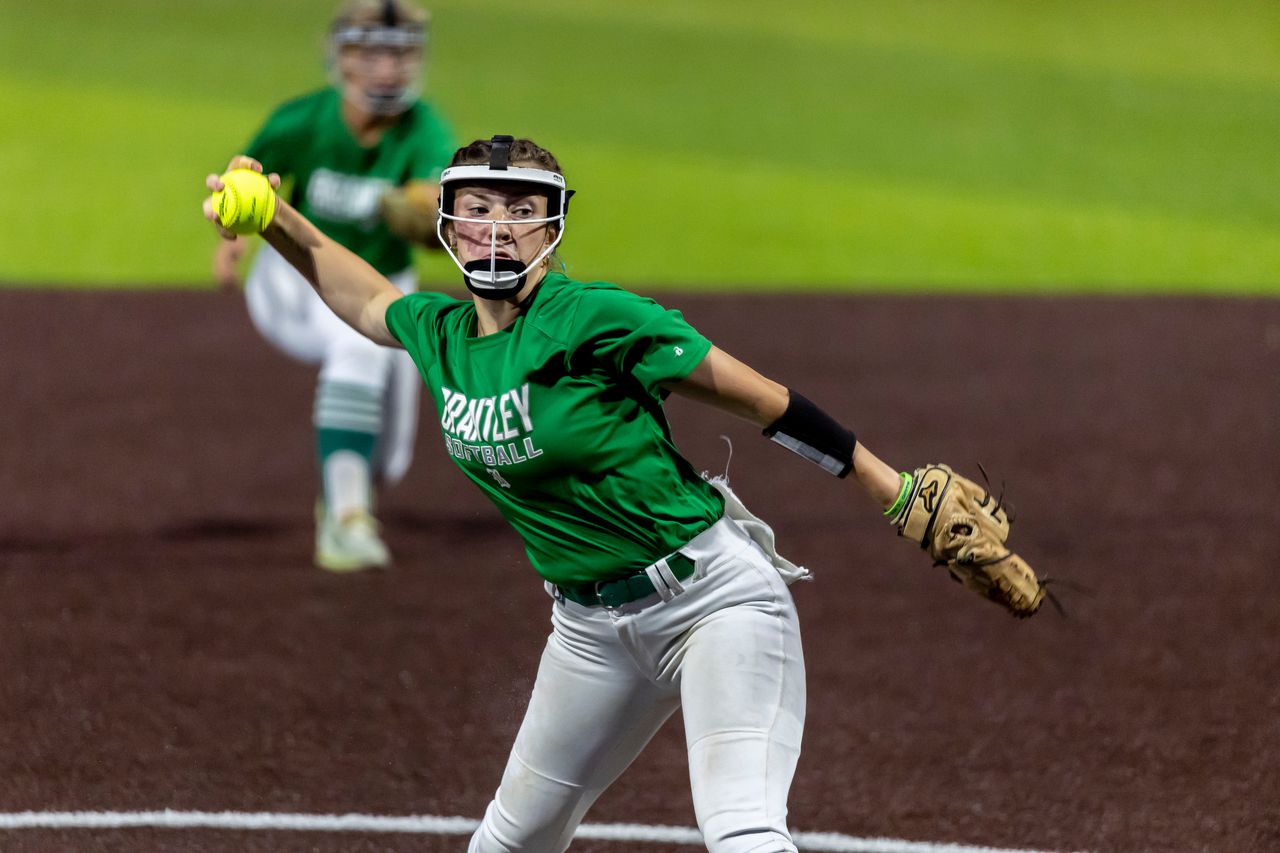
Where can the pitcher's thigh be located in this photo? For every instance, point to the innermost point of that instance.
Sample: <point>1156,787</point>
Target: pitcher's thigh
<point>590,715</point>
<point>743,688</point>
<point>284,308</point>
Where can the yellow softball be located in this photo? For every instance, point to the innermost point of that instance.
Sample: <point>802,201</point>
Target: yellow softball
<point>246,203</point>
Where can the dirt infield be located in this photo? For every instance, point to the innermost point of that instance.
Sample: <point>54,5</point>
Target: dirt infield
<point>166,643</point>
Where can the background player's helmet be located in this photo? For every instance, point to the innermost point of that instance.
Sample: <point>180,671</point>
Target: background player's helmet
<point>377,49</point>
<point>501,278</point>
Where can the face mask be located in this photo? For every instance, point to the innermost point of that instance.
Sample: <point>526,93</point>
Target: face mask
<point>495,277</point>
<point>396,37</point>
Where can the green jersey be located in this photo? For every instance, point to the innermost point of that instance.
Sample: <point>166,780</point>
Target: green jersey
<point>338,182</point>
<point>558,419</point>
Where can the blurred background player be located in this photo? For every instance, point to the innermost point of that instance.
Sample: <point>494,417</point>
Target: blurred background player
<point>363,155</point>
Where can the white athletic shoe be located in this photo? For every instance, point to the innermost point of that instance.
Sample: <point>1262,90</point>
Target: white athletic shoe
<point>349,544</point>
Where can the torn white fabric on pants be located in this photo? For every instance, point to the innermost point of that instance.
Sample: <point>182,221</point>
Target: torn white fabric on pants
<point>760,533</point>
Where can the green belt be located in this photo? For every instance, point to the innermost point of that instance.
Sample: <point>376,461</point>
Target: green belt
<point>631,588</point>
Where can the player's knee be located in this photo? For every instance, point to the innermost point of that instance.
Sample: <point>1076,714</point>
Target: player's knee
<point>734,829</point>
<point>503,832</point>
<point>747,839</point>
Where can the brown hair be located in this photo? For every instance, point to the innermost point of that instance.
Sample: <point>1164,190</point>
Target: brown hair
<point>523,152</point>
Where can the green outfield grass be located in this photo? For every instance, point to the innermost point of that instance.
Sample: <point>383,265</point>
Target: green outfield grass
<point>920,144</point>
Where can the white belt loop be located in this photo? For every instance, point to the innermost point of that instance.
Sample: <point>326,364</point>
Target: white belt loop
<point>658,575</point>
<point>553,591</point>
<point>668,576</point>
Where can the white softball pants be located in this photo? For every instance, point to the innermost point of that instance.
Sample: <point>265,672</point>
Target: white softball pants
<point>287,312</point>
<point>726,649</point>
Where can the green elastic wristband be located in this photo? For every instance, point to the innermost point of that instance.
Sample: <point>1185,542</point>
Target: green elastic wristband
<point>907,482</point>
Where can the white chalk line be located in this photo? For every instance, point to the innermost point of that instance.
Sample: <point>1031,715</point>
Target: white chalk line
<point>434,825</point>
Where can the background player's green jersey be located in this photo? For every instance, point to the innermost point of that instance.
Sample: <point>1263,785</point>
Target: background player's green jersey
<point>338,182</point>
<point>558,418</point>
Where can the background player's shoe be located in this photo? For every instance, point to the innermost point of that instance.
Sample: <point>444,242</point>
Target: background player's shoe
<point>349,544</point>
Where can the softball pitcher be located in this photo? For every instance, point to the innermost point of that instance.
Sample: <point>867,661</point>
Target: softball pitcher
<point>666,592</point>
<point>364,156</point>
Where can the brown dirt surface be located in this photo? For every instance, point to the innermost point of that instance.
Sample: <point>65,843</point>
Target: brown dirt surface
<point>167,643</point>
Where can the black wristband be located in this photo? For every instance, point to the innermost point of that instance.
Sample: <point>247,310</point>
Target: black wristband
<point>815,435</point>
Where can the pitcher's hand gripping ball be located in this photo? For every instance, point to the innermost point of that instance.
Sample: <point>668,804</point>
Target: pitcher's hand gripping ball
<point>246,203</point>
<point>963,527</point>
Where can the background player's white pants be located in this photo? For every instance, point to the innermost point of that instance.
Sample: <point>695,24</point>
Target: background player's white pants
<point>287,312</point>
<point>726,650</point>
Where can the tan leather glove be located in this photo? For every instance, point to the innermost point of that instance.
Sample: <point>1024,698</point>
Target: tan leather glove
<point>963,527</point>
